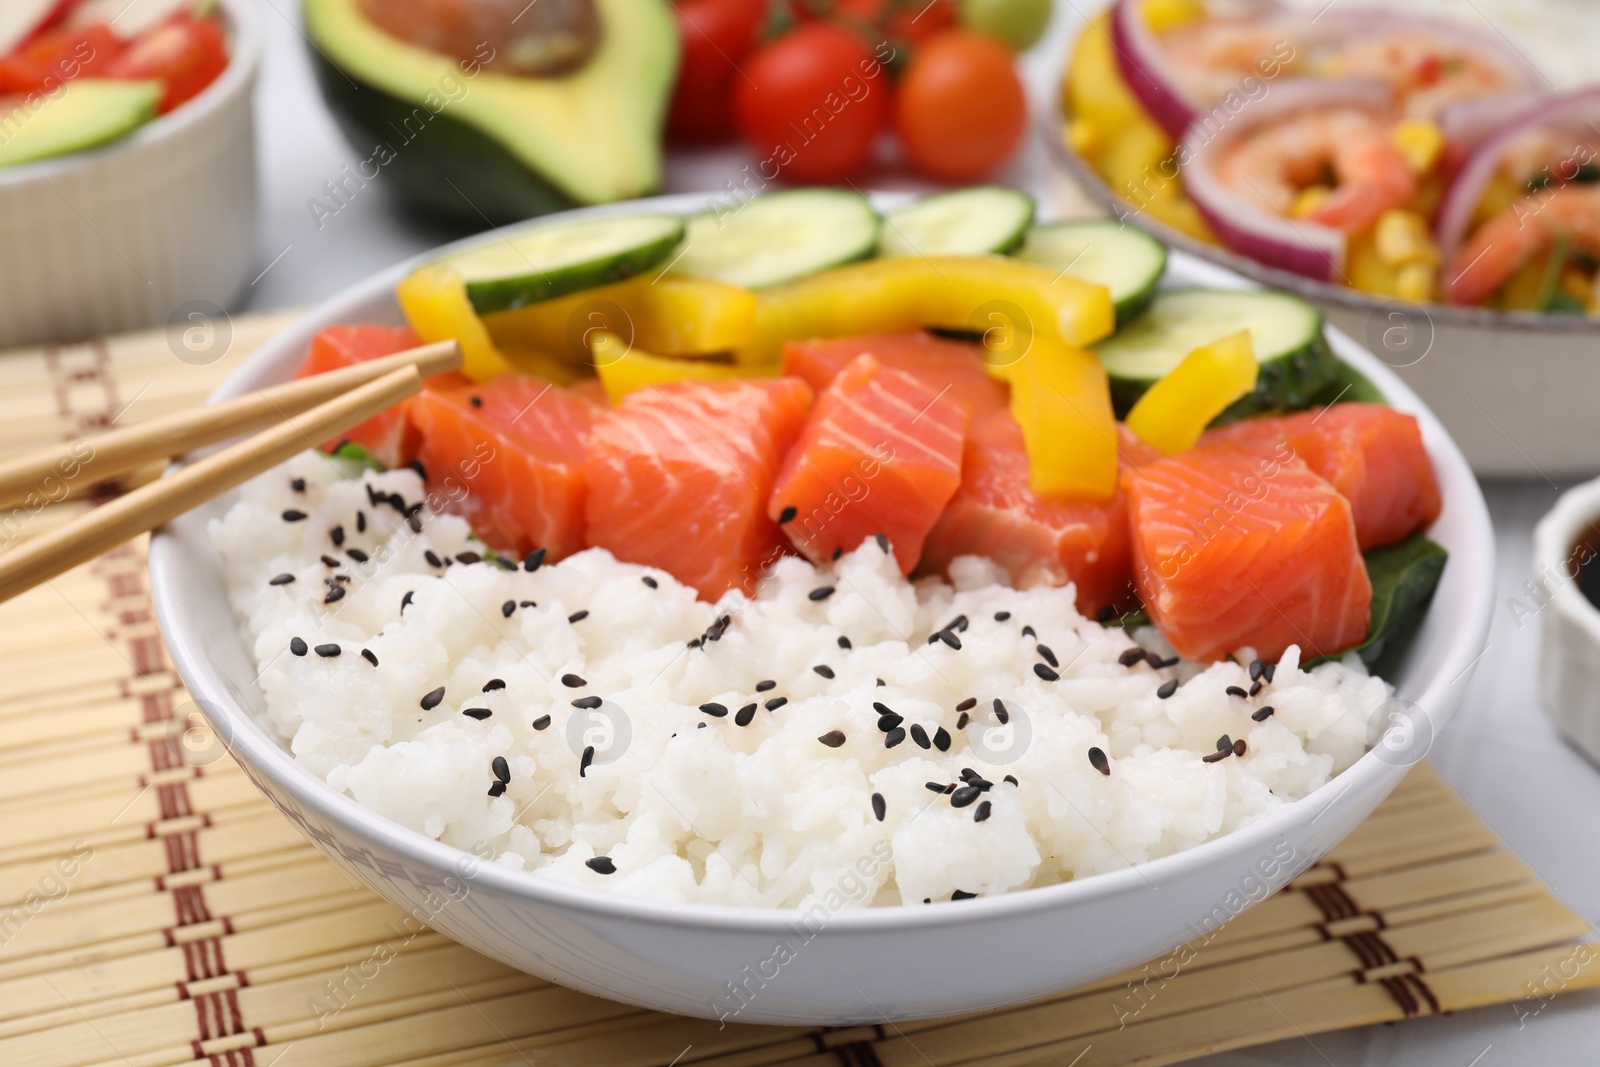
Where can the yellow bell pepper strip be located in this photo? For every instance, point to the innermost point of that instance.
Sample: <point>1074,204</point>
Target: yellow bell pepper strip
<point>670,314</point>
<point>1062,401</point>
<point>898,293</point>
<point>1175,411</point>
<point>435,303</point>
<point>623,368</point>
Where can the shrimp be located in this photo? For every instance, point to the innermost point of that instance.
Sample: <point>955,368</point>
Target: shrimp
<point>1275,162</point>
<point>1213,56</point>
<point>1534,224</point>
<point>1424,73</point>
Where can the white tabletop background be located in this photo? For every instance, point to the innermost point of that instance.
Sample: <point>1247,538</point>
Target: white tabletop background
<point>1500,751</point>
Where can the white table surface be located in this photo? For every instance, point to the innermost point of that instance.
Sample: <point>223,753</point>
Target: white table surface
<point>1500,751</point>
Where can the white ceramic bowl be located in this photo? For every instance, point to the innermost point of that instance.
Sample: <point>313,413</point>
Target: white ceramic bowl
<point>1569,635</point>
<point>155,225</point>
<point>1513,387</point>
<point>852,966</point>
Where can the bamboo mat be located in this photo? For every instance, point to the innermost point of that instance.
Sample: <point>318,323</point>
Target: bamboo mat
<point>154,910</point>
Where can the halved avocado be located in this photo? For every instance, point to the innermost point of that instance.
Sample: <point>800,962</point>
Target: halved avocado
<point>458,139</point>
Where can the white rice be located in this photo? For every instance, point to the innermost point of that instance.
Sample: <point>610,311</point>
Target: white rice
<point>697,808</point>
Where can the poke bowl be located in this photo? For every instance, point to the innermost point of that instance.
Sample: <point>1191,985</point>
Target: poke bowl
<point>721,954</point>
<point>1448,327</point>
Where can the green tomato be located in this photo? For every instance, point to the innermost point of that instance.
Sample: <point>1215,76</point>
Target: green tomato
<point>1016,23</point>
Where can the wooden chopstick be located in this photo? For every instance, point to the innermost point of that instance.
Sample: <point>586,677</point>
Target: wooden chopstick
<point>87,461</point>
<point>107,526</point>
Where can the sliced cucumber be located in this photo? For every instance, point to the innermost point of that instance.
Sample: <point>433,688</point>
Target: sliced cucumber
<point>966,222</point>
<point>1127,261</point>
<point>545,262</point>
<point>779,237</point>
<point>1286,332</point>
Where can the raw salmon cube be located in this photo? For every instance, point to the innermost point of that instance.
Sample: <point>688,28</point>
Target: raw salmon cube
<point>937,362</point>
<point>388,435</point>
<point>1038,540</point>
<point>508,456</point>
<point>1233,547</point>
<point>679,477</point>
<point>1371,453</point>
<point>881,453</point>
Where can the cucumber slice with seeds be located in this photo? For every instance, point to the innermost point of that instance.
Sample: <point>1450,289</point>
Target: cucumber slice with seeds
<point>780,237</point>
<point>978,221</point>
<point>1286,332</point>
<point>545,262</point>
<point>1127,261</point>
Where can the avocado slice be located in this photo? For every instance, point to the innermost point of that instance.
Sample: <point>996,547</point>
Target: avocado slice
<point>86,113</point>
<point>459,139</point>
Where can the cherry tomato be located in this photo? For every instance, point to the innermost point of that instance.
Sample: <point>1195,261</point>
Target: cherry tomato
<point>917,20</point>
<point>811,103</point>
<point>185,53</point>
<point>58,56</point>
<point>716,36</point>
<point>960,108</point>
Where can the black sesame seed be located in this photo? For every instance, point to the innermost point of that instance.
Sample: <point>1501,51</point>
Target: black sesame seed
<point>414,523</point>
<point>982,812</point>
<point>356,554</point>
<point>833,738</point>
<point>572,681</point>
<point>957,623</point>
<point>880,807</point>
<point>476,401</point>
<point>941,739</point>
<point>1254,689</point>
<point>1012,779</point>
<point>1000,713</point>
<point>889,720</point>
<point>1236,691</point>
<point>651,582</point>
<point>1130,657</point>
<point>838,550</point>
<point>1049,655</point>
<point>962,894</point>
<point>1027,631</point>
<point>298,485</point>
<point>745,715</point>
<point>367,654</point>
<point>1257,669</point>
<point>336,535</point>
<point>327,651</point>
<point>1001,616</point>
<point>1097,760</point>
<point>361,521</point>
<point>967,704</point>
<point>1045,672</point>
<point>330,561</point>
<point>844,642</point>
<point>297,646</point>
<point>587,703</point>
<point>335,592</point>
<point>294,516</point>
<point>715,710</point>
<point>880,683</point>
<point>883,542</point>
<point>934,787</point>
<point>1107,613</point>
<point>468,558</point>
<point>1217,756</point>
<point>433,699</point>
<point>775,703</point>
<point>1239,747</point>
<point>281,579</point>
<point>1268,671</point>
<point>824,670</point>
<point>894,737</point>
<point>961,721</point>
<point>533,560</point>
<point>964,796</point>
<point>497,788</point>
<point>822,592</point>
<point>1170,661</point>
<point>920,736</point>
<point>1262,714</point>
<point>492,684</point>
<point>405,601</point>
<point>949,638</point>
<point>477,713</point>
<point>766,685</point>
<point>542,722</point>
<point>1224,742</point>
<point>578,616</point>
<point>1167,689</point>
<point>416,465</point>
<point>585,760</point>
<point>787,515</point>
<point>529,603</point>
<point>432,558</point>
<point>601,865</point>
<point>508,607</point>
<point>1154,659</point>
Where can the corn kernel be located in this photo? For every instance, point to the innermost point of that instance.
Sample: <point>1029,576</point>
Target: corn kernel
<point>1576,284</point>
<point>1163,15</point>
<point>1414,282</point>
<point>1420,142</point>
<point>1402,238</point>
<point>1082,136</point>
<point>1307,201</point>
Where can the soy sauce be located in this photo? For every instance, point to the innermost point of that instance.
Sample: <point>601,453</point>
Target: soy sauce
<point>1585,559</point>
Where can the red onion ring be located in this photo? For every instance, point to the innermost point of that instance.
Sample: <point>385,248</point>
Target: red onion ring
<point>1307,248</point>
<point>1345,24</point>
<point>1465,123</point>
<point>1466,191</point>
<point>1147,70</point>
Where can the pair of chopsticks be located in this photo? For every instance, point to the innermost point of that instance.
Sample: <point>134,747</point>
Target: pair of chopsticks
<point>285,419</point>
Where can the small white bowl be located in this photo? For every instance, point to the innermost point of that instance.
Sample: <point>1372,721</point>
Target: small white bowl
<point>851,966</point>
<point>1569,648</point>
<point>141,231</point>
